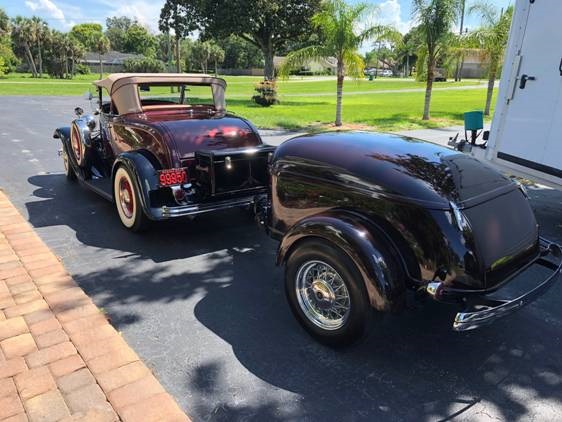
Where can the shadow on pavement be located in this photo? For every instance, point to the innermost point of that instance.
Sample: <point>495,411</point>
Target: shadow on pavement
<point>411,367</point>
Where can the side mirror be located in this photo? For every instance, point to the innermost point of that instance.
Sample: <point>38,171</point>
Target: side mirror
<point>78,111</point>
<point>88,96</point>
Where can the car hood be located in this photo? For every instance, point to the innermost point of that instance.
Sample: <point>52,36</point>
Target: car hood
<point>398,166</point>
<point>185,135</point>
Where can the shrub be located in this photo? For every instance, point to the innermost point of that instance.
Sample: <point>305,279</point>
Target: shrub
<point>266,93</point>
<point>143,65</point>
<point>82,69</point>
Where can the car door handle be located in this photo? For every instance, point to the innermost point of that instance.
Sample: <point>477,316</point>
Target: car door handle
<point>524,79</point>
<point>560,67</point>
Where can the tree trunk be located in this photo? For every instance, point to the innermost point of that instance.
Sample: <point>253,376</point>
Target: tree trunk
<point>428,86</point>
<point>178,64</point>
<point>39,57</point>
<point>101,67</point>
<point>269,69</point>
<point>339,93</point>
<point>407,74</point>
<point>460,60</point>
<point>460,65</point>
<point>216,68</point>
<point>66,71</point>
<point>30,60</point>
<point>491,82</point>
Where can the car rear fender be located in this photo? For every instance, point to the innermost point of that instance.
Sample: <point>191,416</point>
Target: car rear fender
<point>364,244</point>
<point>144,172</point>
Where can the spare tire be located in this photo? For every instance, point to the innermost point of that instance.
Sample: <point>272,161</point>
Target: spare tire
<point>79,143</point>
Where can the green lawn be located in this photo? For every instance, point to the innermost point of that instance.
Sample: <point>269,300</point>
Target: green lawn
<point>385,103</point>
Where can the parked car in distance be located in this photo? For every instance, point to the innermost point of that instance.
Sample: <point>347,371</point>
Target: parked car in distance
<point>369,71</point>
<point>365,219</point>
<point>162,146</point>
<point>386,73</point>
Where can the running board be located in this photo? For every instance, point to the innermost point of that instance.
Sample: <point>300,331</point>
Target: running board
<point>101,186</point>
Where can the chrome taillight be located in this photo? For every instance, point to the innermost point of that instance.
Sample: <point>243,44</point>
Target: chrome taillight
<point>460,220</point>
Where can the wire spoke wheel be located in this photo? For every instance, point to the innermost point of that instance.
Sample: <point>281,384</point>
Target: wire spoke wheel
<point>126,198</point>
<point>322,295</point>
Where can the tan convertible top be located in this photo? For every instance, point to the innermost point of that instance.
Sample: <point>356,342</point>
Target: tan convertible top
<point>122,87</point>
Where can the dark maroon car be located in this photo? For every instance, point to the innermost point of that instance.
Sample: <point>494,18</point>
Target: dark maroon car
<point>363,219</point>
<point>162,146</point>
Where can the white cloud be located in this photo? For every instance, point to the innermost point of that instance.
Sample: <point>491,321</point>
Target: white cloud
<point>144,11</point>
<point>46,6</point>
<point>389,13</point>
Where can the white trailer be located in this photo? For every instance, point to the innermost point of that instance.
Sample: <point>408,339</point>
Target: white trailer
<point>526,132</point>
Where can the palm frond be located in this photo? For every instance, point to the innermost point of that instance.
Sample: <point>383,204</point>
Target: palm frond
<point>302,57</point>
<point>354,64</point>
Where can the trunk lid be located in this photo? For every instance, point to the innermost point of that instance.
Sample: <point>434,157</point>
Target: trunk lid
<point>505,234</point>
<point>185,133</point>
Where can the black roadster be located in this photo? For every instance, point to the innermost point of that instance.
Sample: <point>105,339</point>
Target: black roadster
<point>162,146</point>
<point>365,218</point>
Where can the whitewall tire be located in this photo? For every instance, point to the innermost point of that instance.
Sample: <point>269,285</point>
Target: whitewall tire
<point>127,201</point>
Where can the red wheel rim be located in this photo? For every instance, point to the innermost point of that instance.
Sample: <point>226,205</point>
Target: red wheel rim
<point>126,197</point>
<point>75,141</point>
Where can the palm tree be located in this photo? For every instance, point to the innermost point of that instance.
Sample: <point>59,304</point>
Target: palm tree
<point>24,36</point>
<point>336,24</point>
<point>435,18</point>
<point>74,51</point>
<point>492,39</point>
<point>40,33</point>
<point>102,47</point>
<point>217,56</point>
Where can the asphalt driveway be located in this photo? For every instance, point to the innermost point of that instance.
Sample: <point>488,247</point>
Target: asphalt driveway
<point>202,303</point>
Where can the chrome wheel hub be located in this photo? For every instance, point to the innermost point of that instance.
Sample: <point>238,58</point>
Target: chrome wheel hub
<point>322,295</point>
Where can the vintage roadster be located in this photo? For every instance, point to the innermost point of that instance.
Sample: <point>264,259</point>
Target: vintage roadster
<point>364,218</point>
<point>162,146</point>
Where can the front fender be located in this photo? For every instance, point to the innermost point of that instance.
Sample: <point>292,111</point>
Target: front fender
<point>144,173</point>
<point>63,133</point>
<point>364,244</point>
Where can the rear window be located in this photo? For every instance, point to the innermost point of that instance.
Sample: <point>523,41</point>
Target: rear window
<point>169,94</point>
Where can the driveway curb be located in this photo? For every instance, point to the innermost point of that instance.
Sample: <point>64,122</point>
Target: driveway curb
<point>60,359</point>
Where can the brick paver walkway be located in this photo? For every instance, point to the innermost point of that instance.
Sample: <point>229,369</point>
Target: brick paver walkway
<point>60,359</point>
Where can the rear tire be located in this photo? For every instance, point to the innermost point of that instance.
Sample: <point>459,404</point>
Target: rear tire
<point>127,201</point>
<point>326,293</point>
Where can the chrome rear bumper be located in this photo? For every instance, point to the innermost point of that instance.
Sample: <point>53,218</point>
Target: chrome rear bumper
<point>194,209</point>
<point>484,310</point>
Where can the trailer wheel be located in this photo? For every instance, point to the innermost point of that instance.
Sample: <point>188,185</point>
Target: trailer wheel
<point>326,293</point>
<point>127,201</point>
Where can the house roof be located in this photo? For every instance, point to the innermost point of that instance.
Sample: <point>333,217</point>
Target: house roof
<point>122,87</point>
<point>111,57</point>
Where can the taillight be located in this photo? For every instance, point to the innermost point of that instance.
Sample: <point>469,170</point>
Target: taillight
<point>172,177</point>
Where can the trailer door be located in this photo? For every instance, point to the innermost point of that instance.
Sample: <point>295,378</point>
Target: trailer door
<point>531,127</point>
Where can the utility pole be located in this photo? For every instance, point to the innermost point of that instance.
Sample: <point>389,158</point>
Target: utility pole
<point>460,60</point>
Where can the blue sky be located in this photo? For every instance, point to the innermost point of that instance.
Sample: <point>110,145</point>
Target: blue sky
<point>63,14</point>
